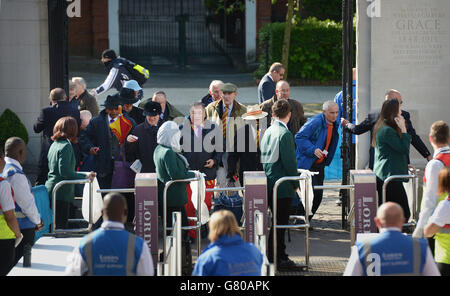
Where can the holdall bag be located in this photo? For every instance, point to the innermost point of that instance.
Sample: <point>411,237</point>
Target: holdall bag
<point>123,175</point>
<point>232,203</point>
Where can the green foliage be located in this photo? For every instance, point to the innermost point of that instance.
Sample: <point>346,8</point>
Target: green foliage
<point>322,9</point>
<point>315,51</point>
<point>11,126</point>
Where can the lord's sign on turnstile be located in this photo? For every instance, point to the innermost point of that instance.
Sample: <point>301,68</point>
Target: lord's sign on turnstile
<point>255,184</point>
<point>365,201</point>
<point>146,208</point>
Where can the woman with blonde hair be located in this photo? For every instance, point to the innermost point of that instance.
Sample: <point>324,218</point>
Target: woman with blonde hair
<point>61,164</point>
<point>227,254</point>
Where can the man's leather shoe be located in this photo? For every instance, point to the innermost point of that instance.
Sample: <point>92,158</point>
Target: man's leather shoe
<point>288,265</point>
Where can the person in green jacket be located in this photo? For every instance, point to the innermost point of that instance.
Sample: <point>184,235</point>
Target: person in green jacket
<point>171,165</point>
<point>61,163</point>
<point>391,142</point>
<point>279,160</point>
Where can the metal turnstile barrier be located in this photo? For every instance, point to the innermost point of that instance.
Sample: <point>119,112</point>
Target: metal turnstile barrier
<point>297,226</point>
<point>58,185</point>
<point>260,242</point>
<point>196,227</point>
<point>414,210</point>
<point>171,265</point>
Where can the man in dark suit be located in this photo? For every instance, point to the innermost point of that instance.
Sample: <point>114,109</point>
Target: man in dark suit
<point>247,140</point>
<point>142,143</point>
<point>267,85</point>
<point>59,107</point>
<point>371,120</point>
<point>99,140</point>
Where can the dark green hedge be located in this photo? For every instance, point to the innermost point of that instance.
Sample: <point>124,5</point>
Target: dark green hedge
<point>315,51</point>
<point>11,126</point>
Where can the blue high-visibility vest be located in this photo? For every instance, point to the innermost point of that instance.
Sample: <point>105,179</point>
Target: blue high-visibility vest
<point>111,251</point>
<point>396,253</point>
<point>24,223</point>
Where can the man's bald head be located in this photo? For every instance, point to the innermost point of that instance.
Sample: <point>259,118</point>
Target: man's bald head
<point>283,90</point>
<point>394,94</point>
<point>390,214</point>
<point>16,148</point>
<point>115,207</point>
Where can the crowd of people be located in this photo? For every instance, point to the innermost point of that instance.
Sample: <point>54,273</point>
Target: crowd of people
<point>221,138</point>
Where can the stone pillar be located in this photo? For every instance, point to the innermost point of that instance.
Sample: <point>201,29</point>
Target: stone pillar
<point>404,45</point>
<point>250,31</point>
<point>24,63</point>
<point>113,25</point>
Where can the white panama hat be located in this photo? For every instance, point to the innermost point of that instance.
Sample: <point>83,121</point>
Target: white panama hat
<point>254,112</point>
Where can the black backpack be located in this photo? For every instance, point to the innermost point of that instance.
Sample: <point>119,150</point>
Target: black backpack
<point>138,73</point>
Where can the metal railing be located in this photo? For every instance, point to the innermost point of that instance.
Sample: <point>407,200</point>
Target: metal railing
<point>77,230</point>
<point>171,265</point>
<point>306,218</point>
<point>413,177</point>
<point>260,243</point>
<point>199,207</point>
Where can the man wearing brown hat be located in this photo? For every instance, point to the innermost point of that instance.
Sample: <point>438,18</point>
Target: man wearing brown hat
<point>227,114</point>
<point>282,92</point>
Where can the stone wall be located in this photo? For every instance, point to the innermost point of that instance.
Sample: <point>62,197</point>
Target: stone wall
<point>24,63</point>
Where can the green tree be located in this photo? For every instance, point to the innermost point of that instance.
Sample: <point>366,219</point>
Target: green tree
<point>11,126</point>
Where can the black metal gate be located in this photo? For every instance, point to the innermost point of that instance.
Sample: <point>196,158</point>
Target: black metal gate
<point>166,31</point>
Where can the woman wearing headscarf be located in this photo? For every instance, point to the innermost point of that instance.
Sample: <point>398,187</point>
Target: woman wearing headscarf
<point>171,165</point>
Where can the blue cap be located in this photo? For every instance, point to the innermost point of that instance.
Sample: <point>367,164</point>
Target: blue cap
<point>132,84</point>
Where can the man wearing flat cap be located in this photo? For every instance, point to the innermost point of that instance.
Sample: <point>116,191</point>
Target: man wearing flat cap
<point>226,113</point>
<point>129,97</point>
<point>142,143</point>
<point>99,140</point>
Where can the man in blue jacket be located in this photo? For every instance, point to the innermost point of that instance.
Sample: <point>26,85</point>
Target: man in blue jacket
<point>316,144</point>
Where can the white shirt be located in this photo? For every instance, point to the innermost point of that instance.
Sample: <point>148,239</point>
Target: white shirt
<point>354,266</point>
<point>22,193</point>
<point>441,215</point>
<point>77,266</point>
<point>6,199</point>
<point>430,196</point>
<point>113,119</point>
<point>281,122</point>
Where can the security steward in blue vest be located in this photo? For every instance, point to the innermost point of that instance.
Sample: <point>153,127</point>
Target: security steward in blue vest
<point>391,252</point>
<point>111,250</point>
